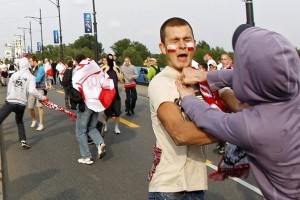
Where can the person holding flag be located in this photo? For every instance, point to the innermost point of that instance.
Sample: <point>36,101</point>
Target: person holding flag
<point>97,92</point>
<point>20,84</point>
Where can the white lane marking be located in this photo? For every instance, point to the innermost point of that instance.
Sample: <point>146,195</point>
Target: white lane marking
<point>240,181</point>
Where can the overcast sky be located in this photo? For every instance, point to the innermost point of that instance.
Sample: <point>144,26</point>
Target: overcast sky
<point>139,20</point>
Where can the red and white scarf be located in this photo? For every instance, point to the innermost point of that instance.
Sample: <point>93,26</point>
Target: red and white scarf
<point>95,86</point>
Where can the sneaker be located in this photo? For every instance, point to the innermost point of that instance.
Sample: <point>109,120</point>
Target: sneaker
<point>33,124</point>
<point>221,150</point>
<point>105,127</point>
<point>117,130</point>
<point>24,144</point>
<point>132,112</point>
<point>101,150</point>
<point>40,127</point>
<point>128,113</point>
<point>87,161</point>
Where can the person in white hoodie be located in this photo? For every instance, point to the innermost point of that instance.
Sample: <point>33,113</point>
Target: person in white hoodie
<point>20,85</point>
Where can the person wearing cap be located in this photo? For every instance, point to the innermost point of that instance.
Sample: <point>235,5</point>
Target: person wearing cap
<point>153,69</point>
<point>212,65</point>
<point>266,77</point>
<point>209,60</point>
<point>20,84</point>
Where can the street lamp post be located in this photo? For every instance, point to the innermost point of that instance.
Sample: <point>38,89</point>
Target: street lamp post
<point>60,31</point>
<point>41,24</point>
<point>28,29</point>
<point>95,32</point>
<point>249,12</point>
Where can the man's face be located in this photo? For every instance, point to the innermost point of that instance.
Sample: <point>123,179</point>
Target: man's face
<point>104,61</point>
<point>126,62</point>
<point>225,60</point>
<point>179,47</point>
<point>32,63</point>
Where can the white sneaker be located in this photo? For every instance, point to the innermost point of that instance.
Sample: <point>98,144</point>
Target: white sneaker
<point>117,130</point>
<point>40,128</point>
<point>33,124</point>
<point>101,150</point>
<point>87,161</point>
<point>105,127</point>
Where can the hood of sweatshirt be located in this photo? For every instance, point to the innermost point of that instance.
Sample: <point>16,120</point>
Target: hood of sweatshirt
<point>24,64</point>
<point>267,67</point>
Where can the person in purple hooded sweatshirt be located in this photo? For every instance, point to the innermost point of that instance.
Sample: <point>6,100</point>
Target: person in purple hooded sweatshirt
<point>267,77</point>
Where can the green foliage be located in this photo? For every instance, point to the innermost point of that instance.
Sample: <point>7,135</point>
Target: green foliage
<point>86,41</point>
<point>134,56</point>
<point>135,50</point>
<point>120,46</point>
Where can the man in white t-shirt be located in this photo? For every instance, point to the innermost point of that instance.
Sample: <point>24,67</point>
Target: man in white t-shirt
<point>179,169</point>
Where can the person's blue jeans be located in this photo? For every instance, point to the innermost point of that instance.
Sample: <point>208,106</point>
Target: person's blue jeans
<point>86,125</point>
<point>19,111</point>
<point>195,195</point>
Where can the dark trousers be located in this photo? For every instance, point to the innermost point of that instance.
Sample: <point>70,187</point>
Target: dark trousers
<point>131,97</point>
<point>19,110</point>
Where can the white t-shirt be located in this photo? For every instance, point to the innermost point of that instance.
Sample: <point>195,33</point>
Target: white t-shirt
<point>179,168</point>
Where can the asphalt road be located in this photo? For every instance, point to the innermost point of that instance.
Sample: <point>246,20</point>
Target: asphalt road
<point>49,169</point>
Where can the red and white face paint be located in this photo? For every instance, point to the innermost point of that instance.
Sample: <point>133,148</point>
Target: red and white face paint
<point>190,46</point>
<point>171,48</point>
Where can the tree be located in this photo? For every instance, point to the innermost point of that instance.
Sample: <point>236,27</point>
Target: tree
<point>123,47</point>
<point>87,41</point>
<point>134,56</point>
<point>120,46</point>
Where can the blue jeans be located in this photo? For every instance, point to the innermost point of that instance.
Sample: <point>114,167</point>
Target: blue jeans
<point>86,125</point>
<point>19,111</point>
<point>195,195</point>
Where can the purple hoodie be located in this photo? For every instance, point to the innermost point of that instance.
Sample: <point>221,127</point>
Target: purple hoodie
<point>266,76</point>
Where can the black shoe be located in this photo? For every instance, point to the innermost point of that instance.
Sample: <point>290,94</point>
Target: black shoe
<point>24,144</point>
<point>132,112</point>
<point>128,113</point>
<point>90,141</point>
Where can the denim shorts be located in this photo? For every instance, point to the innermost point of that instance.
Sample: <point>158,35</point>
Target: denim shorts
<point>195,195</point>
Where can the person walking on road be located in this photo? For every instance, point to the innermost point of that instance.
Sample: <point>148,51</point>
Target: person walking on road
<point>114,110</point>
<point>20,84</point>
<point>130,73</point>
<point>86,79</point>
<point>39,73</point>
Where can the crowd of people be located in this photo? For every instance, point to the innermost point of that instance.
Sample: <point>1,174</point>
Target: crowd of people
<point>260,90</point>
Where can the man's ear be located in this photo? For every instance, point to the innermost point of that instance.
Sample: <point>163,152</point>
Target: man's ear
<point>162,48</point>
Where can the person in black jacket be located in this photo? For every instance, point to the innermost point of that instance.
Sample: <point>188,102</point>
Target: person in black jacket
<point>67,83</point>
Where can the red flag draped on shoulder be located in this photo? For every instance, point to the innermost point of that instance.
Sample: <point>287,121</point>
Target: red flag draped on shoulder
<point>95,86</point>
